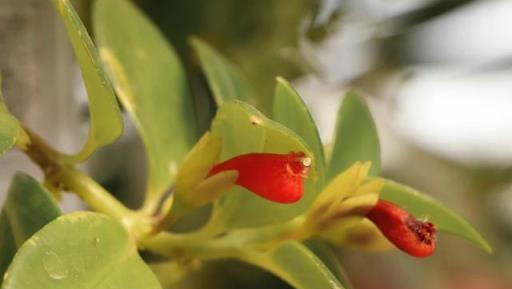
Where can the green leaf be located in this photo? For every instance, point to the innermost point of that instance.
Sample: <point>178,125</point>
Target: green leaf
<point>197,163</point>
<point>225,79</point>
<point>243,130</point>
<point>106,122</point>
<point>424,206</point>
<point>10,128</point>
<point>27,209</point>
<point>290,110</point>
<point>298,266</point>
<point>328,257</point>
<point>356,137</point>
<point>151,84</point>
<point>11,131</point>
<point>81,250</point>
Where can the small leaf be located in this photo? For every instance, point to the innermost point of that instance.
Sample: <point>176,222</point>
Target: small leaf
<point>214,186</point>
<point>244,130</point>
<point>424,206</point>
<point>226,81</point>
<point>10,128</point>
<point>298,266</point>
<point>151,84</point>
<point>197,163</point>
<point>80,250</point>
<point>106,121</point>
<point>27,209</point>
<point>358,233</point>
<point>356,137</point>
<point>290,110</point>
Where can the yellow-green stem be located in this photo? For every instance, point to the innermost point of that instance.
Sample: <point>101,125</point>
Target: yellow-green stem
<point>59,174</point>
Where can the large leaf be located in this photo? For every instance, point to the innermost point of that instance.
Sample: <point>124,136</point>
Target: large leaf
<point>423,206</point>
<point>244,130</point>
<point>10,128</point>
<point>27,209</point>
<point>226,81</point>
<point>356,137</point>
<point>290,110</point>
<point>81,250</point>
<point>298,266</point>
<point>151,84</point>
<point>106,122</point>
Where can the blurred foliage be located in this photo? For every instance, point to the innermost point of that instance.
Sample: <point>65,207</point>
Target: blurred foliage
<point>260,36</point>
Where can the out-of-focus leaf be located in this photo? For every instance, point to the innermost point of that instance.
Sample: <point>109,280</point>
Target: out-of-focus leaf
<point>80,250</point>
<point>290,110</point>
<point>226,81</point>
<point>151,84</point>
<point>298,266</point>
<point>27,209</point>
<point>327,255</point>
<point>424,206</point>
<point>106,122</point>
<point>356,137</point>
<point>243,130</point>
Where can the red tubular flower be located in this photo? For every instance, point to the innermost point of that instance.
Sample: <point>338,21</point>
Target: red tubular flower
<point>413,236</point>
<point>275,177</point>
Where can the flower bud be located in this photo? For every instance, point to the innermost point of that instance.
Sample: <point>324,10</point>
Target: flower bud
<point>413,236</point>
<point>275,177</point>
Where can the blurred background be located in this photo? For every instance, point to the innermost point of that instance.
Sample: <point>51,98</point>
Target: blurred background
<point>437,76</point>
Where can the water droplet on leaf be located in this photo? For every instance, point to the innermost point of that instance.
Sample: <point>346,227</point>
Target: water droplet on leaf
<point>54,266</point>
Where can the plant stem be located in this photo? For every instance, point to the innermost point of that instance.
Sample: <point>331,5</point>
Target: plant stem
<point>92,193</point>
<point>64,176</point>
<point>207,246</point>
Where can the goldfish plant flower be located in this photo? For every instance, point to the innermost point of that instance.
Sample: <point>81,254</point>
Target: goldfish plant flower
<point>413,236</point>
<point>348,211</point>
<point>275,177</point>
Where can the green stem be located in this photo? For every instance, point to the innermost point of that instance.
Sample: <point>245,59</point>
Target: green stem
<point>205,245</point>
<point>59,174</point>
<point>99,199</point>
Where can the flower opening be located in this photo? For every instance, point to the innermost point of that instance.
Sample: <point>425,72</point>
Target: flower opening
<point>276,177</point>
<point>413,236</point>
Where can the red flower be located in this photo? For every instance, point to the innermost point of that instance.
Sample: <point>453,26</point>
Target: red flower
<point>413,236</point>
<point>275,177</point>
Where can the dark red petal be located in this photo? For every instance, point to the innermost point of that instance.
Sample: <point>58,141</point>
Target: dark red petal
<point>276,177</point>
<point>415,237</point>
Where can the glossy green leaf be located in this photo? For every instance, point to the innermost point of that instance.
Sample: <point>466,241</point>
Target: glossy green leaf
<point>356,137</point>
<point>298,266</point>
<point>80,250</point>
<point>27,209</point>
<point>424,206</point>
<point>328,257</point>
<point>290,110</point>
<point>106,123</point>
<point>151,84</point>
<point>224,78</point>
<point>243,130</point>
